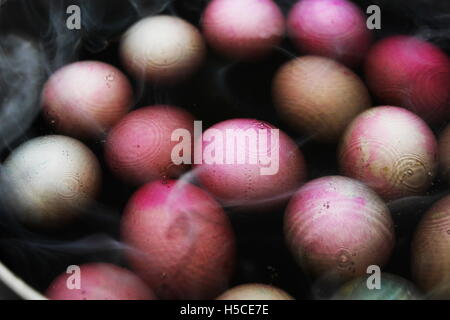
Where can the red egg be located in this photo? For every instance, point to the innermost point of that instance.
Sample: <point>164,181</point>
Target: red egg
<point>181,241</point>
<point>412,73</point>
<point>243,29</point>
<point>431,251</point>
<point>390,149</point>
<point>332,28</point>
<point>85,99</point>
<point>138,149</point>
<point>444,153</point>
<point>336,227</point>
<point>99,281</point>
<point>256,167</point>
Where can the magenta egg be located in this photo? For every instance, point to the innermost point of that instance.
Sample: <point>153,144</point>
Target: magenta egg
<point>181,242</point>
<point>331,28</point>
<point>99,281</point>
<point>243,29</point>
<point>390,149</point>
<point>85,99</point>
<point>431,251</point>
<point>250,164</point>
<point>139,148</point>
<point>336,227</point>
<point>412,73</point>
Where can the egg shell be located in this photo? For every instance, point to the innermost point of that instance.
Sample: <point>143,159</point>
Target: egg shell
<point>318,97</point>
<point>138,149</point>
<point>51,180</point>
<point>332,28</point>
<point>391,150</point>
<point>162,49</point>
<point>100,281</point>
<point>412,73</point>
<point>85,99</point>
<point>444,153</point>
<point>242,185</point>
<point>430,251</point>
<point>254,291</point>
<point>336,227</point>
<point>243,29</point>
<point>392,287</point>
<point>181,241</point>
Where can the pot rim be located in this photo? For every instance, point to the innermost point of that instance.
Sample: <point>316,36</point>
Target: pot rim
<point>17,285</point>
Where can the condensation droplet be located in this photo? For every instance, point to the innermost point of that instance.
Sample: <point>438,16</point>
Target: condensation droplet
<point>109,78</point>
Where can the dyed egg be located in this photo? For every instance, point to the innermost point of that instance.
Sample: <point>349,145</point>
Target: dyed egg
<point>390,149</point>
<point>336,227</point>
<point>180,240</point>
<point>391,287</point>
<point>243,29</point>
<point>52,180</point>
<point>99,281</point>
<point>444,153</point>
<point>162,49</point>
<point>139,148</point>
<point>332,28</point>
<point>431,251</point>
<point>250,164</point>
<point>409,72</point>
<point>318,96</point>
<point>254,291</point>
<point>85,99</point>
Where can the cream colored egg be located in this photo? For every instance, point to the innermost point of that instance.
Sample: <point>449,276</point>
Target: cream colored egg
<point>255,291</point>
<point>162,49</point>
<point>51,180</point>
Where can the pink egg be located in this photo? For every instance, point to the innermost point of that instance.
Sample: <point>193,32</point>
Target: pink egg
<point>138,149</point>
<point>243,29</point>
<point>261,173</point>
<point>336,227</point>
<point>85,99</point>
<point>332,28</point>
<point>412,73</point>
<point>99,281</point>
<point>181,241</point>
<point>391,150</point>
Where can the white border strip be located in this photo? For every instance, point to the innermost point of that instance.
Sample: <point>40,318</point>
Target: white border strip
<point>18,286</point>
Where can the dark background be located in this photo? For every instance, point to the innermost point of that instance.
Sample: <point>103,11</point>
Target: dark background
<point>221,90</point>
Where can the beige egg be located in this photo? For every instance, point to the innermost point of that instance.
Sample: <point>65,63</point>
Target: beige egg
<point>51,180</point>
<point>430,251</point>
<point>162,49</point>
<point>255,291</point>
<point>318,96</point>
<point>444,153</point>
